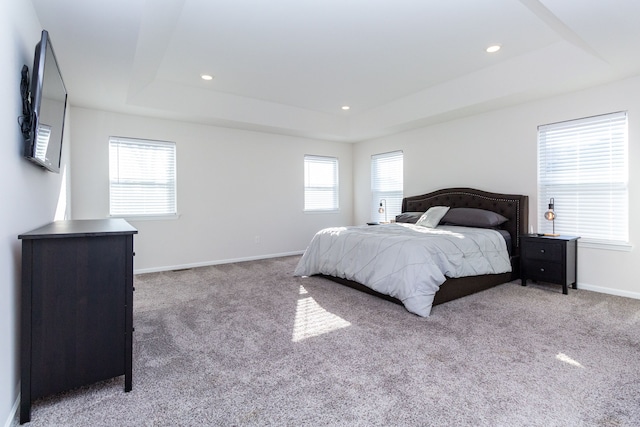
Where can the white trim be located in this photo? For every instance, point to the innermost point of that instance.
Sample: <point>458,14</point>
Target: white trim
<point>319,211</point>
<point>610,246</point>
<point>129,182</point>
<point>386,185</point>
<point>147,217</point>
<point>583,176</point>
<point>322,183</point>
<point>216,262</point>
<point>13,413</point>
<point>609,291</point>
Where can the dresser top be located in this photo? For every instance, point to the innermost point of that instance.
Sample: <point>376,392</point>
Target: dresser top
<point>81,228</point>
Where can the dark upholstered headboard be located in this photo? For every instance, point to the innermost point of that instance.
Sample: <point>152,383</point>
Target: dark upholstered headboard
<point>515,207</point>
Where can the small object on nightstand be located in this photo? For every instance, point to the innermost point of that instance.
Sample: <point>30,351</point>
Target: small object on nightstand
<point>552,259</point>
<point>383,209</point>
<point>550,215</point>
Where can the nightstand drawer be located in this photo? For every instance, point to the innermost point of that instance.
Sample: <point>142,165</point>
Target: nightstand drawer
<point>550,259</point>
<point>545,251</point>
<point>544,271</point>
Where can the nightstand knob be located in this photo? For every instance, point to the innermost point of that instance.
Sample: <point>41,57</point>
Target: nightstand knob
<point>542,270</point>
<point>541,251</point>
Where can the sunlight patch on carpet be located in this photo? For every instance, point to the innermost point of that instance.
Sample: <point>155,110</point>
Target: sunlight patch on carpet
<point>566,359</point>
<point>313,320</point>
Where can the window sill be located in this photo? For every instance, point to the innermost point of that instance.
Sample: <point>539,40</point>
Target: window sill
<point>327,211</point>
<point>609,246</point>
<point>147,217</point>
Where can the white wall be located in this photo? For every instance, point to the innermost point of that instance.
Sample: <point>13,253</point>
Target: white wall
<point>233,187</point>
<point>497,152</point>
<point>29,194</point>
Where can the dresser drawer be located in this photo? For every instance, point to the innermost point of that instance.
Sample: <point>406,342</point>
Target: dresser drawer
<point>541,250</point>
<point>544,271</point>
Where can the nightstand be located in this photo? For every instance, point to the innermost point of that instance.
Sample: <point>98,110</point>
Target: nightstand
<point>551,259</point>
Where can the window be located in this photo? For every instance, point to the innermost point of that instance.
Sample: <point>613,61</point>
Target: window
<point>583,166</point>
<point>320,183</point>
<point>386,185</point>
<point>42,142</point>
<point>142,177</point>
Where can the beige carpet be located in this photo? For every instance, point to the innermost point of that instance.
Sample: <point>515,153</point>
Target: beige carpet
<point>248,344</point>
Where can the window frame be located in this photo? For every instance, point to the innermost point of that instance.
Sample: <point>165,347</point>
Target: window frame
<point>585,162</point>
<point>166,157</point>
<point>383,189</point>
<point>333,187</point>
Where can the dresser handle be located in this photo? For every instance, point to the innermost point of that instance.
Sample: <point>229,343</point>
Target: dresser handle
<point>542,270</point>
<point>541,251</point>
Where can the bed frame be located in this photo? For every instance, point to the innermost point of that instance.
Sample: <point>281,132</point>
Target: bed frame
<point>514,207</point>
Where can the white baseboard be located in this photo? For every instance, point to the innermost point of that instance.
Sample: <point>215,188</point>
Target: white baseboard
<point>216,262</point>
<point>610,291</point>
<point>14,411</point>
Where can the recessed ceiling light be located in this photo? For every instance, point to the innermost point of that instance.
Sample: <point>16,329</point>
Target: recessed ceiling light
<point>494,48</point>
<point>345,107</point>
<point>206,77</point>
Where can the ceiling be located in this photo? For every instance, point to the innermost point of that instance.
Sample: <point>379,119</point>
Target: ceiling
<point>288,66</point>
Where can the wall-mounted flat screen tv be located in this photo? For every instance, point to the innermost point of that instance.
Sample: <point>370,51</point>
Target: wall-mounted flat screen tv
<point>48,101</point>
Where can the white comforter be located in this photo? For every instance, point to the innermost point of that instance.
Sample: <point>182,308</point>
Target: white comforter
<point>405,261</point>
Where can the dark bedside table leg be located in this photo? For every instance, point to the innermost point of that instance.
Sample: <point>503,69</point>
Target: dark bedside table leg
<point>25,412</point>
<point>128,361</point>
<point>564,288</point>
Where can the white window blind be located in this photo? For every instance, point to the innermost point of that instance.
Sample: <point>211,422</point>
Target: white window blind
<point>386,185</point>
<point>142,177</point>
<point>42,143</point>
<point>320,183</point>
<point>583,166</point>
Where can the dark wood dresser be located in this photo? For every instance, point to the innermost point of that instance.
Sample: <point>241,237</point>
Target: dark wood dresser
<point>77,307</point>
<point>551,259</point>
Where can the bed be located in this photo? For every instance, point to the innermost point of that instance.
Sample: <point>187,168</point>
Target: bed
<point>334,258</point>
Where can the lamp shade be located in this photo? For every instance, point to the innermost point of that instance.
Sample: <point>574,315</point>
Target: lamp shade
<point>383,208</point>
<point>550,215</point>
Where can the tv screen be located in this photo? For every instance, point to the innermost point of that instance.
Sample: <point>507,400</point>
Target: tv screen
<point>43,144</point>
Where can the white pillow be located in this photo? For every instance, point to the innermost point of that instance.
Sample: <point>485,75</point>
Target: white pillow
<point>432,217</point>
